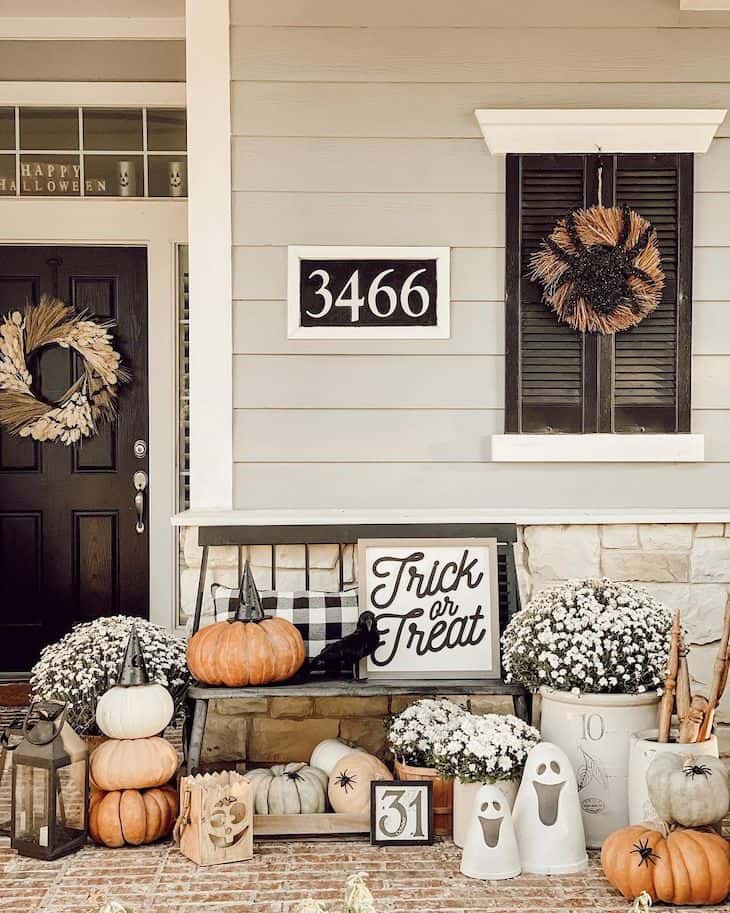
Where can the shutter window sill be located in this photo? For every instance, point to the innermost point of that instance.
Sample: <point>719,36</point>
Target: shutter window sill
<point>598,448</point>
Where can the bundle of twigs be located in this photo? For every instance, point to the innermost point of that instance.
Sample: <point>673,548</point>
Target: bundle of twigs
<point>694,712</point>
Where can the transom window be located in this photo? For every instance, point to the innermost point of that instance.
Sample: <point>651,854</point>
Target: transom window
<point>93,152</point>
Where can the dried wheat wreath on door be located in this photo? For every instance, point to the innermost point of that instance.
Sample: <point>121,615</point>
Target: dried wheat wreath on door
<point>601,269</point>
<point>89,401</point>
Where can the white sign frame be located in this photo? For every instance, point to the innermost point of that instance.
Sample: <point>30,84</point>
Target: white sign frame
<point>442,255</point>
<point>487,597</point>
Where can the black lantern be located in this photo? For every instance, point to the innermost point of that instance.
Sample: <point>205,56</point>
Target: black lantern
<point>50,785</point>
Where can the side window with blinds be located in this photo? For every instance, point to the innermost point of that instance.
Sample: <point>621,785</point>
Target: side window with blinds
<point>559,380</point>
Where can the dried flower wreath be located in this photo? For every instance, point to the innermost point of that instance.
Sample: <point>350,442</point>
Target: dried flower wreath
<point>90,400</point>
<point>601,269</point>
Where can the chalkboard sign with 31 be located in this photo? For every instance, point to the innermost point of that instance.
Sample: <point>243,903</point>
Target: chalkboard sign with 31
<point>368,292</point>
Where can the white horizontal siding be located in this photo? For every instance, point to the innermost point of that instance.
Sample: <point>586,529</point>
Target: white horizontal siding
<point>354,124</point>
<point>478,485</point>
<point>477,328</point>
<point>467,13</point>
<point>365,435</point>
<point>368,381</point>
<point>479,54</point>
<point>341,109</point>
<point>459,219</point>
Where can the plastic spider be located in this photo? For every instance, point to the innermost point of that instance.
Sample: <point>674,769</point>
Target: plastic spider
<point>646,854</point>
<point>600,273</point>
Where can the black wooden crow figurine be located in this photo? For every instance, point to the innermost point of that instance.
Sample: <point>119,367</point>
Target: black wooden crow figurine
<point>347,652</point>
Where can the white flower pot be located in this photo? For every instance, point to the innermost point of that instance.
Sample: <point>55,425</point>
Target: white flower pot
<point>464,798</point>
<point>594,730</point>
<point>643,748</point>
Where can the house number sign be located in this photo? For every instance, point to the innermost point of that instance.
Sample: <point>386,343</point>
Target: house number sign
<point>368,293</point>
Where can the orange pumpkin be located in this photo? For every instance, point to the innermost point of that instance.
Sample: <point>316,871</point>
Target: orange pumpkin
<point>132,816</point>
<point>349,785</point>
<point>249,649</point>
<point>132,763</point>
<point>685,867</point>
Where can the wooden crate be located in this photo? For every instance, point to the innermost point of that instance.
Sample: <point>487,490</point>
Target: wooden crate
<point>321,825</point>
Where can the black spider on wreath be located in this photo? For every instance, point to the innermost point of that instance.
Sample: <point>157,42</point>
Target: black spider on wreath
<point>600,272</point>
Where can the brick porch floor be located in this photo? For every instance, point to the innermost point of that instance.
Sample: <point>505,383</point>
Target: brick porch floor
<point>157,879</point>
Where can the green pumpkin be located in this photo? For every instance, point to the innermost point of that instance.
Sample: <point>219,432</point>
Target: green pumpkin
<point>686,789</point>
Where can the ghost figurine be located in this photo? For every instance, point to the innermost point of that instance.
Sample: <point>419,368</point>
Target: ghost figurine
<point>547,815</point>
<point>490,849</point>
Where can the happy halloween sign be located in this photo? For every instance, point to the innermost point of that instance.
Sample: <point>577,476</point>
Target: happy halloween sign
<point>436,607</point>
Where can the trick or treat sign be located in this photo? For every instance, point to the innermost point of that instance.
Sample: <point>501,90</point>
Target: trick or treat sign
<point>436,606</point>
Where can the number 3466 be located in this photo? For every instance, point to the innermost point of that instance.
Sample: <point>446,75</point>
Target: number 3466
<point>380,298</point>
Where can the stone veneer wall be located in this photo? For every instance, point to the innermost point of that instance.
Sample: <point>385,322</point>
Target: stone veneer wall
<point>686,566</point>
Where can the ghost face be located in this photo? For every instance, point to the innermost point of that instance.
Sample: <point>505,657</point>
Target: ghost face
<point>227,824</point>
<point>549,772</point>
<point>491,816</point>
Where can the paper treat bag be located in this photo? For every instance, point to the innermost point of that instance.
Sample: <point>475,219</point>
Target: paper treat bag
<point>216,818</point>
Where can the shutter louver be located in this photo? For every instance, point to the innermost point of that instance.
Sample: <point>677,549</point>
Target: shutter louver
<point>646,357</point>
<point>551,354</point>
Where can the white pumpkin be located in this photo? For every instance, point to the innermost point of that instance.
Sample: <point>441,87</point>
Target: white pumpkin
<point>289,789</point>
<point>689,790</point>
<point>134,713</point>
<point>326,755</point>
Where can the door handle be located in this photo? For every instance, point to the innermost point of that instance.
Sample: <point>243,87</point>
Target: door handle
<point>139,480</point>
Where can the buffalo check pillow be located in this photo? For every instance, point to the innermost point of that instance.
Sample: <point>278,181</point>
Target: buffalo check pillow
<point>322,618</point>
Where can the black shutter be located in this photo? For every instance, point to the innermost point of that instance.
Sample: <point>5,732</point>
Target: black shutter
<point>652,362</point>
<point>562,381</point>
<point>545,361</point>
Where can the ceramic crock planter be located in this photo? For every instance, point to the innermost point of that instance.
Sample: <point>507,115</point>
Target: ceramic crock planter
<point>643,748</point>
<point>443,794</point>
<point>465,795</point>
<point>595,730</point>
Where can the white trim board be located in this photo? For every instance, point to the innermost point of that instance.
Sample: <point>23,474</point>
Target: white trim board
<point>598,448</point>
<point>159,226</point>
<point>519,515</point>
<point>82,28</point>
<point>96,94</point>
<point>517,130</point>
<point>211,280</point>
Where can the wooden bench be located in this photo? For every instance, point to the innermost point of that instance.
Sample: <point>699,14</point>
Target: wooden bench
<point>340,535</point>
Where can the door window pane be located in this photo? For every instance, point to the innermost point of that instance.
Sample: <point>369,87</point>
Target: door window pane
<point>166,131</point>
<point>7,128</point>
<point>50,175</point>
<point>113,176</point>
<point>112,129</point>
<point>167,176</point>
<point>7,175</point>
<point>49,128</point>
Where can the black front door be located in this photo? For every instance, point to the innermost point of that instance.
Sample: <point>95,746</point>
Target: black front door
<point>69,549</point>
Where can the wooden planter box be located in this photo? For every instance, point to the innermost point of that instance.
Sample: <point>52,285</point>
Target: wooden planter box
<point>321,825</point>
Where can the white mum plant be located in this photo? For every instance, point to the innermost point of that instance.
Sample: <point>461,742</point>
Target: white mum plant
<point>589,636</point>
<point>483,749</point>
<point>81,666</point>
<point>416,733</point>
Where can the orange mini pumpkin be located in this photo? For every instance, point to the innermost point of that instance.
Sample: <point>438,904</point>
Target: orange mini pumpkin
<point>249,649</point>
<point>685,867</point>
<point>132,816</point>
<point>349,784</point>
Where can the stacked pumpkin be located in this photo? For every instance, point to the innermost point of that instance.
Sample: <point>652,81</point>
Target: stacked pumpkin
<point>683,860</point>
<point>131,801</point>
<point>336,772</point>
<point>249,649</point>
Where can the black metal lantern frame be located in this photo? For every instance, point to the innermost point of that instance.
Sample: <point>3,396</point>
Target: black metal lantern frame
<point>50,786</point>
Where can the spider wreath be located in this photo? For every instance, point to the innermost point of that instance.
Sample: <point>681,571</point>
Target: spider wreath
<point>601,269</point>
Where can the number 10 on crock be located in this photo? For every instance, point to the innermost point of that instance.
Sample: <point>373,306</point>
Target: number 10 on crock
<point>368,293</point>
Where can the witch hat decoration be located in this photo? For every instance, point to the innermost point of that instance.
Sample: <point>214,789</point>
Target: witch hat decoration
<point>132,670</point>
<point>250,607</point>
